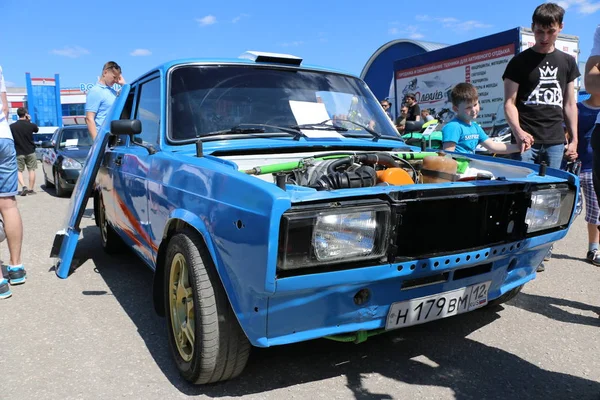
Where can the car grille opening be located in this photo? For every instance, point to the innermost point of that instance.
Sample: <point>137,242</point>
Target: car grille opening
<point>425,281</point>
<point>442,225</point>
<point>472,271</point>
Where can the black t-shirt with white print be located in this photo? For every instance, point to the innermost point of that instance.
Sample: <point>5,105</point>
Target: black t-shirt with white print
<point>542,80</point>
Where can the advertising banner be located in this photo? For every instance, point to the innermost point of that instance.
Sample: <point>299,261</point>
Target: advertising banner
<point>432,83</point>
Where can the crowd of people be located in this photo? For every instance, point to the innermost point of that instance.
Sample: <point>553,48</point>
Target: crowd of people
<point>548,124</point>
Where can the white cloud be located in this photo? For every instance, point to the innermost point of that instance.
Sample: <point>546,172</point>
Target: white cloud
<point>71,51</point>
<point>456,24</point>
<point>412,31</point>
<point>467,25</point>
<point>581,6</point>
<point>208,20</point>
<point>236,19</point>
<point>10,84</point>
<point>140,52</point>
<point>293,44</point>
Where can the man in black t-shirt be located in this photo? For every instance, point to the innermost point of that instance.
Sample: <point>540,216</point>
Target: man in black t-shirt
<point>539,95</point>
<point>22,132</point>
<point>413,117</point>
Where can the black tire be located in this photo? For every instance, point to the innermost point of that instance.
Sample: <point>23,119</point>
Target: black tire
<point>110,240</point>
<point>506,297</point>
<point>47,183</point>
<point>219,349</point>
<point>60,191</point>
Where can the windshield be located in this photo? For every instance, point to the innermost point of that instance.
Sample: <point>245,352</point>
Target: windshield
<point>208,99</point>
<point>75,137</point>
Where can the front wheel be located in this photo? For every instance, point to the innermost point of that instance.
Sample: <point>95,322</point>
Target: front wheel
<point>110,240</point>
<point>47,183</point>
<point>60,191</point>
<point>205,337</point>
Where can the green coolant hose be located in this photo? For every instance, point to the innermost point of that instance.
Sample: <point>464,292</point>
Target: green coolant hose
<point>292,165</point>
<point>288,166</point>
<point>356,337</point>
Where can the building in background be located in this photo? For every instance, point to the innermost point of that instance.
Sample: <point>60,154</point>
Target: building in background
<point>378,72</point>
<point>47,103</point>
<point>43,100</point>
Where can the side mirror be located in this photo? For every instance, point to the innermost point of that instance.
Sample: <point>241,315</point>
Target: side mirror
<point>47,144</point>
<point>128,127</point>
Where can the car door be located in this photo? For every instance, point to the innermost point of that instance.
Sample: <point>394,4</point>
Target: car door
<point>111,167</point>
<point>65,240</point>
<point>130,177</point>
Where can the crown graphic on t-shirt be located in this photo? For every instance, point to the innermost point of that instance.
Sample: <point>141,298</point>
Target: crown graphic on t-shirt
<point>548,73</point>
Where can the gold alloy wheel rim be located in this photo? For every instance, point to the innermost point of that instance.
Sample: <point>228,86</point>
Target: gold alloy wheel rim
<point>181,306</point>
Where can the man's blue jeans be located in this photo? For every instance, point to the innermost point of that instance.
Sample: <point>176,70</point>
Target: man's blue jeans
<point>551,154</point>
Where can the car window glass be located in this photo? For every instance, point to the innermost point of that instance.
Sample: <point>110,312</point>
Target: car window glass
<point>126,113</point>
<point>209,99</point>
<point>148,110</point>
<point>54,136</point>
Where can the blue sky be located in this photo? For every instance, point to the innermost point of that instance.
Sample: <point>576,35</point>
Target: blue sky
<point>75,38</point>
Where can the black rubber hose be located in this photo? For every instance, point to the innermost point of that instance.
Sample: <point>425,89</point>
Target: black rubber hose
<point>364,176</point>
<point>338,163</point>
<point>415,175</point>
<point>384,159</point>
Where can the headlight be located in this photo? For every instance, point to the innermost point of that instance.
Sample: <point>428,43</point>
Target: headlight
<point>549,208</point>
<point>69,163</point>
<point>312,238</point>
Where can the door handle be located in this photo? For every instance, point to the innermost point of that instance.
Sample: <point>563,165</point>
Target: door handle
<point>118,160</point>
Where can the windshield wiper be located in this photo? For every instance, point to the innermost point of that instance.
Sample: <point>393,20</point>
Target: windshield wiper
<point>234,130</point>
<point>320,126</point>
<point>242,129</point>
<point>374,133</point>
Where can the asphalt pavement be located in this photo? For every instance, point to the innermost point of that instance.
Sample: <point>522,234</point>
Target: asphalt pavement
<point>95,335</point>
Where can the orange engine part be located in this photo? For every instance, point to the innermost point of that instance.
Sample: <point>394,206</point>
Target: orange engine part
<point>394,176</point>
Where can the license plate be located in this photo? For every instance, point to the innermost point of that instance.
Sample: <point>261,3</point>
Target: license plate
<point>437,306</point>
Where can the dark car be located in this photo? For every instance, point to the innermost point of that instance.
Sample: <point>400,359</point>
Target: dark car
<point>64,156</point>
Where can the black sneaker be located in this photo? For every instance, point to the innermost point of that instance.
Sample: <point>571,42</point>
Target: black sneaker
<point>5,292</point>
<point>31,191</point>
<point>541,268</point>
<point>593,256</point>
<point>24,191</point>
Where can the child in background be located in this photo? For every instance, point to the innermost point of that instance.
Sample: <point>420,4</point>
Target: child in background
<point>463,134</point>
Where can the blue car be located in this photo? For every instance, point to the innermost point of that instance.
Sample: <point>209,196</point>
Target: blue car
<point>276,203</point>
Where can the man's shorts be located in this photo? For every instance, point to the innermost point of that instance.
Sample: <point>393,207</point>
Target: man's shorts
<point>8,168</point>
<point>592,211</point>
<point>30,160</point>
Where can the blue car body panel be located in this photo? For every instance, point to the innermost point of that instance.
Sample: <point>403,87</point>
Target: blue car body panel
<point>239,217</point>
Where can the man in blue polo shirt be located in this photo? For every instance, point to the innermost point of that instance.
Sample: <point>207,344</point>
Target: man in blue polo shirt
<point>102,96</point>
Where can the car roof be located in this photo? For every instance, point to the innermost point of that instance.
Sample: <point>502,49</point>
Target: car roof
<point>80,126</point>
<point>164,67</point>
